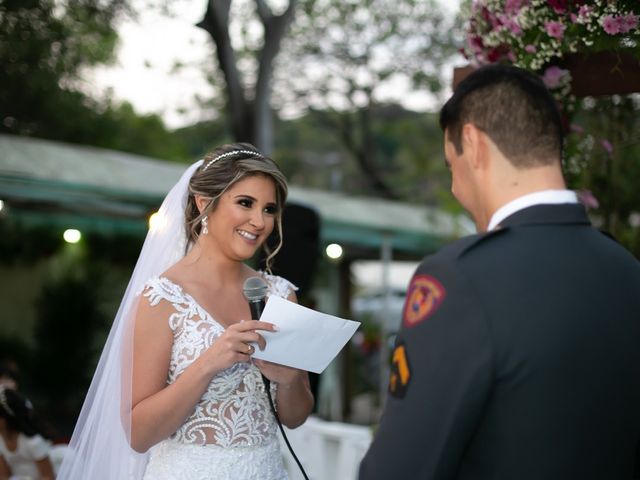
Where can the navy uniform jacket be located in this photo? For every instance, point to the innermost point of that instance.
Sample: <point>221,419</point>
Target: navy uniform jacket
<point>518,359</point>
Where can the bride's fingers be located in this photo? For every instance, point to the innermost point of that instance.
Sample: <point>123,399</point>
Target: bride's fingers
<point>246,325</point>
<point>253,337</point>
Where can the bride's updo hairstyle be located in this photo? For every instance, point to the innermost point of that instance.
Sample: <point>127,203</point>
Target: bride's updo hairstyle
<point>220,170</point>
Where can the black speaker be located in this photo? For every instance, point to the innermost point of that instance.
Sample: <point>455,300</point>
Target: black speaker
<point>297,259</point>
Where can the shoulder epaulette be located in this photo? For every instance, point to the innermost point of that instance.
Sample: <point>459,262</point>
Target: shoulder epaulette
<point>480,239</point>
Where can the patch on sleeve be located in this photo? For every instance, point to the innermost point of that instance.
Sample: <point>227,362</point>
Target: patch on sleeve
<point>423,298</point>
<point>400,371</point>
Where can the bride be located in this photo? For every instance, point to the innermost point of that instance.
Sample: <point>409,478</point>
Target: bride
<point>176,393</point>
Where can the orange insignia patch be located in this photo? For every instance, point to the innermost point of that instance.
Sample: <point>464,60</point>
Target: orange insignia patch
<point>400,371</point>
<point>424,297</point>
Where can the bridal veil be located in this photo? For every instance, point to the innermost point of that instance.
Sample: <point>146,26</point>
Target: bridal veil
<point>99,447</point>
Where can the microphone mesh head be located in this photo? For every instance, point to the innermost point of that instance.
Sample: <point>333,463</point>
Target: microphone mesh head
<point>255,289</point>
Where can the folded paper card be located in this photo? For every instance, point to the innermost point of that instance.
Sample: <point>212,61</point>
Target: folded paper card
<point>306,339</point>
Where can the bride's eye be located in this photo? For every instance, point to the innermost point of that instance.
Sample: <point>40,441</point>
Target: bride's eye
<point>245,202</point>
<point>271,209</point>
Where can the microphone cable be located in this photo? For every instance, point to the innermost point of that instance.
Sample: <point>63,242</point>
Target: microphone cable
<point>267,386</point>
<point>255,291</point>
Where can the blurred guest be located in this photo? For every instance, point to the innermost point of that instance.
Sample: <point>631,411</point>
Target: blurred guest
<point>22,446</point>
<point>9,374</point>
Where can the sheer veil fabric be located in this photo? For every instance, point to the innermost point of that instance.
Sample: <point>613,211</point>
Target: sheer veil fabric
<point>99,448</point>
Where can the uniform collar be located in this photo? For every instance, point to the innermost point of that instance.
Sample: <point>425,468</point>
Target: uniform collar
<point>548,214</point>
<point>544,197</point>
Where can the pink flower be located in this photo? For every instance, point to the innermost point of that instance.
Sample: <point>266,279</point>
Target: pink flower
<point>575,128</point>
<point>512,7</point>
<point>530,48</point>
<point>559,6</point>
<point>610,24</point>
<point>511,24</point>
<point>573,17</point>
<point>553,76</point>
<point>584,11</point>
<point>555,29</point>
<point>497,53</point>
<point>606,144</point>
<point>476,43</point>
<point>588,199</point>
<point>628,22</point>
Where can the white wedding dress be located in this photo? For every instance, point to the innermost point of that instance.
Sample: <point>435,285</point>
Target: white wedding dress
<point>232,433</point>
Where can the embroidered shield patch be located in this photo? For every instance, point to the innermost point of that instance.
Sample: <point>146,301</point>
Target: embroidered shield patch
<point>400,371</point>
<point>423,298</point>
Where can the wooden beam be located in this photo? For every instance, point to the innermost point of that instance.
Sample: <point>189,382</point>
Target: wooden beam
<point>593,74</point>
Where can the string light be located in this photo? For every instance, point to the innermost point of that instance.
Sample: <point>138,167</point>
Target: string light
<point>71,235</point>
<point>334,251</point>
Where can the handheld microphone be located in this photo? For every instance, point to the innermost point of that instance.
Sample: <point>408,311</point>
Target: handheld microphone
<point>255,291</point>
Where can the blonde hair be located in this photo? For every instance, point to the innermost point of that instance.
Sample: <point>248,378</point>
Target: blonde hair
<point>222,168</point>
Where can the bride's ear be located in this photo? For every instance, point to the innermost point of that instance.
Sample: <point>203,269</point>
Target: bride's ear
<point>202,202</point>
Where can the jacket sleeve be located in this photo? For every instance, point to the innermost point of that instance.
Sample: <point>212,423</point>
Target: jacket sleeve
<point>440,381</point>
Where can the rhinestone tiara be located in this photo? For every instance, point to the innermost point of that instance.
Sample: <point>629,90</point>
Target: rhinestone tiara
<point>229,154</point>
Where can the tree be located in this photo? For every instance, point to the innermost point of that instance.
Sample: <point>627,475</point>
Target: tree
<point>345,59</point>
<point>248,106</point>
<point>44,44</point>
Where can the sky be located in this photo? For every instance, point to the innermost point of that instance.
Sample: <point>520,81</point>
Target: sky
<point>147,52</point>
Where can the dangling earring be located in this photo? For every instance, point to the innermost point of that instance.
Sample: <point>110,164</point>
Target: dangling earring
<point>204,229</point>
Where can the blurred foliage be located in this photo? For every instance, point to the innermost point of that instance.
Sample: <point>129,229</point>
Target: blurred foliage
<point>409,146</point>
<point>601,160</point>
<point>202,137</point>
<point>19,244</point>
<point>69,334</point>
<point>353,61</point>
<point>76,302</point>
<point>45,46</point>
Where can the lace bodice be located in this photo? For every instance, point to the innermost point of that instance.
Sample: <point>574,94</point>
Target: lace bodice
<point>234,411</point>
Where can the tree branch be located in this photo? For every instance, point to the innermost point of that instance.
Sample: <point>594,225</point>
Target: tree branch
<point>216,24</point>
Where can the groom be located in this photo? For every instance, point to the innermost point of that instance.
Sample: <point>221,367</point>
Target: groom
<point>519,356</point>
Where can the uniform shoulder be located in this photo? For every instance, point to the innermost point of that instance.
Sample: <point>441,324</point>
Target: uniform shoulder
<point>465,245</point>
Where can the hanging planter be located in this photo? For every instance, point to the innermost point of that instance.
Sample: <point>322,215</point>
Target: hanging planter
<point>579,48</point>
<point>603,73</point>
<point>592,74</point>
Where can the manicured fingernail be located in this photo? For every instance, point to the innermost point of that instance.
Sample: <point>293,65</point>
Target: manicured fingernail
<point>275,328</point>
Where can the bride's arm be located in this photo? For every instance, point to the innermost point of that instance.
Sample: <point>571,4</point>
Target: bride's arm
<point>159,409</point>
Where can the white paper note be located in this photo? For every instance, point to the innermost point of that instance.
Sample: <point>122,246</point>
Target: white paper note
<point>306,339</point>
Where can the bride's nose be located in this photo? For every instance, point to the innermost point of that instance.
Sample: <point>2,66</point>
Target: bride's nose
<point>257,219</point>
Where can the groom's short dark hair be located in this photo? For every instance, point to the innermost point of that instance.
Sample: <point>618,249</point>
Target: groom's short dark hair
<point>514,108</point>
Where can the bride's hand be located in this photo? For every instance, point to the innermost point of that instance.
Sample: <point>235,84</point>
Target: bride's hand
<point>280,374</point>
<point>234,345</point>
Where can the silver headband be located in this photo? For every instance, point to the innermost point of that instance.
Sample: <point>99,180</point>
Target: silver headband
<point>4,403</point>
<point>229,154</point>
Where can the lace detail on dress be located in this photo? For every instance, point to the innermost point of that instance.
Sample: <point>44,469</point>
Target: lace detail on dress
<point>281,287</point>
<point>234,411</point>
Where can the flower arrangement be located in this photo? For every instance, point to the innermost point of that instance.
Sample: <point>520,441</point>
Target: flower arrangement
<point>537,34</point>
